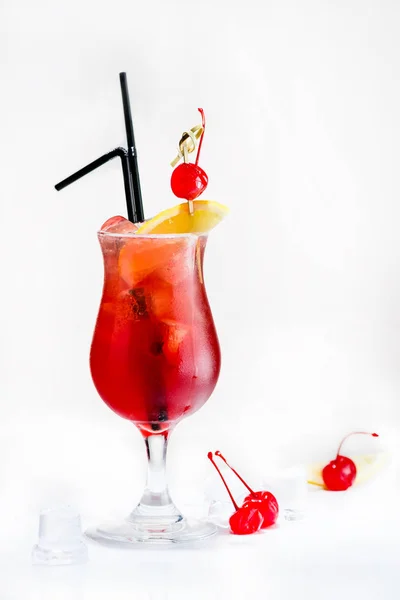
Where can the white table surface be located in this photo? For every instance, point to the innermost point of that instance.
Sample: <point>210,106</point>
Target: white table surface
<point>348,546</point>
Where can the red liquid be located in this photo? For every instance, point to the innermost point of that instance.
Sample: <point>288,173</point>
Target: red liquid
<point>155,355</point>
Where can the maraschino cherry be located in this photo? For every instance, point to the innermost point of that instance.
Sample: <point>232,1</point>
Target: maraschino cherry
<point>189,180</point>
<point>267,503</point>
<point>341,472</point>
<point>246,519</point>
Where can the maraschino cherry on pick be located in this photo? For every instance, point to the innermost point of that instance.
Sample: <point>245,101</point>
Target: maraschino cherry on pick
<point>267,503</point>
<point>341,472</point>
<point>189,180</point>
<point>246,519</point>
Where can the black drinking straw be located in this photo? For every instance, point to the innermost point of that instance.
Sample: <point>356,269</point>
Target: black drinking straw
<point>129,164</point>
<point>132,155</point>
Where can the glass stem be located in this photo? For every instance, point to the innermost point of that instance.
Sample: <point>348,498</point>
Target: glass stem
<point>156,495</point>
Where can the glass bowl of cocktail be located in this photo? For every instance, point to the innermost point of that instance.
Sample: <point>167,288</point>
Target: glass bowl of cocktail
<point>155,357</point>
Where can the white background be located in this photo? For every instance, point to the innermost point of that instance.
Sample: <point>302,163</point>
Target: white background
<point>302,103</point>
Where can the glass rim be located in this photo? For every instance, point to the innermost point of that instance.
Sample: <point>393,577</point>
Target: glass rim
<point>156,236</point>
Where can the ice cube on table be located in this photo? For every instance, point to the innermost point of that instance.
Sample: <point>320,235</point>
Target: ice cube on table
<point>119,224</point>
<point>60,538</point>
<point>289,486</point>
<point>219,506</point>
<point>219,513</point>
<point>214,489</point>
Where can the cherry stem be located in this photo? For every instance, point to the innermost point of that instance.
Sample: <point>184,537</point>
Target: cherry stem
<point>210,456</point>
<point>203,123</point>
<point>218,453</point>
<point>354,433</point>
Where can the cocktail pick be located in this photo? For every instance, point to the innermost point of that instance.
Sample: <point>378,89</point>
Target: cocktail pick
<point>189,180</point>
<point>187,143</point>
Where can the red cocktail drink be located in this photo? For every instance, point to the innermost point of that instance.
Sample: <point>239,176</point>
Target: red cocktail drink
<point>155,355</point>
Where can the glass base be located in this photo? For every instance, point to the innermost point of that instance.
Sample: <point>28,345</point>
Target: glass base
<point>133,533</point>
